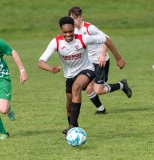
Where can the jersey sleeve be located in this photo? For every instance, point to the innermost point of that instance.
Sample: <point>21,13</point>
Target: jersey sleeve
<point>94,39</point>
<point>51,48</point>
<point>5,48</point>
<point>93,30</point>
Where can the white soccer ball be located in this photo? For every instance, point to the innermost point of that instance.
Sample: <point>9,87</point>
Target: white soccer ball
<point>76,137</point>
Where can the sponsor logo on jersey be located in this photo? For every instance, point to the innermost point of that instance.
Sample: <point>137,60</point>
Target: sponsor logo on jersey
<point>77,47</point>
<point>73,56</point>
<point>63,47</point>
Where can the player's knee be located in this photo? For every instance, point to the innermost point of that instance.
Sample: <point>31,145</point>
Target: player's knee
<point>99,90</point>
<point>89,89</point>
<point>4,110</point>
<point>76,89</point>
<point>4,106</point>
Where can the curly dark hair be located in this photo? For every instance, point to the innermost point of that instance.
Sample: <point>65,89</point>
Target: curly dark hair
<point>66,20</point>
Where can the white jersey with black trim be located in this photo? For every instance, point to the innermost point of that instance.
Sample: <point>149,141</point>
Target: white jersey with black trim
<point>74,54</point>
<point>94,50</point>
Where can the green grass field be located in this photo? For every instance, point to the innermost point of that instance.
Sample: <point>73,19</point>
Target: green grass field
<point>127,131</point>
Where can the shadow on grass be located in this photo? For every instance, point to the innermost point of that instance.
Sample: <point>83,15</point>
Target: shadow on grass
<point>131,109</point>
<point>36,132</point>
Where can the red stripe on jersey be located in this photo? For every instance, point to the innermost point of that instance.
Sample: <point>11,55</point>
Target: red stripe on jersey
<point>87,25</point>
<point>77,36</point>
<point>59,37</point>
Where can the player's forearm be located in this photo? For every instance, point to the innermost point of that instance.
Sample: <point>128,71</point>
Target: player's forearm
<point>104,50</point>
<point>17,60</point>
<point>113,49</point>
<point>43,65</point>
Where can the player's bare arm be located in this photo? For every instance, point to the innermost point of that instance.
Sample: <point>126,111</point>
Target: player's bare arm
<point>23,73</point>
<point>120,62</point>
<point>43,65</point>
<point>102,57</point>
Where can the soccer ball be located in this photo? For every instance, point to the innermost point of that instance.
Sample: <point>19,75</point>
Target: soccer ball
<point>76,137</point>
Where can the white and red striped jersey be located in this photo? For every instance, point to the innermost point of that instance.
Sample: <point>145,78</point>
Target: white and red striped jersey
<point>94,50</point>
<point>74,54</point>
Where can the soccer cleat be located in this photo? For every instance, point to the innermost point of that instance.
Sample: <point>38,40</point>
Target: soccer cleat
<point>67,129</point>
<point>101,112</point>
<point>126,88</point>
<point>4,135</point>
<point>11,114</point>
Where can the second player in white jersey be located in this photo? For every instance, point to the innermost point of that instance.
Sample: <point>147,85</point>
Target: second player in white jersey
<point>94,50</point>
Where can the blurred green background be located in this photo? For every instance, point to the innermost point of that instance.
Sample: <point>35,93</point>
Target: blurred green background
<point>126,132</point>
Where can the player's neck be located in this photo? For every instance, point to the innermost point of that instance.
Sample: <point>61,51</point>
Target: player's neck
<point>81,25</point>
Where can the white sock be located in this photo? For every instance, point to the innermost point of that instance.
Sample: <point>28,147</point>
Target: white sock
<point>92,95</point>
<point>121,85</point>
<point>101,108</point>
<point>108,88</point>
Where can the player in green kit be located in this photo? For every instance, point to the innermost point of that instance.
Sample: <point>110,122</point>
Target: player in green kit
<point>5,84</point>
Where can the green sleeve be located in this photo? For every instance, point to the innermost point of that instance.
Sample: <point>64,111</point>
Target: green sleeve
<point>5,48</point>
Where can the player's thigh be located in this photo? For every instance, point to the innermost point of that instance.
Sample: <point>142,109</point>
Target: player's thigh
<point>5,89</point>
<point>5,95</point>
<point>107,66</point>
<point>100,74</point>
<point>85,77</point>
<point>81,82</point>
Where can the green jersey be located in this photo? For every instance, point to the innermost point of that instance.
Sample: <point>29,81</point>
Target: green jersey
<point>7,50</point>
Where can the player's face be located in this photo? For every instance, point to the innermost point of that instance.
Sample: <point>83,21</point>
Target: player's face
<point>67,31</point>
<point>77,20</point>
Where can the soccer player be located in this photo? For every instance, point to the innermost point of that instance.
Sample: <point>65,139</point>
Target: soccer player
<point>6,86</point>
<point>97,54</point>
<point>78,69</point>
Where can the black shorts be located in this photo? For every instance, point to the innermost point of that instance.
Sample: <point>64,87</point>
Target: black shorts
<point>101,73</point>
<point>69,81</point>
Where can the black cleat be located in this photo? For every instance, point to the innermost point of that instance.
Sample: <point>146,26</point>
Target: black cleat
<point>101,112</point>
<point>67,129</point>
<point>126,88</point>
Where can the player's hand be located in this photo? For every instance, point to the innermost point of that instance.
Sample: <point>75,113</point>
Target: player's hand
<point>102,60</point>
<point>55,69</point>
<point>23,77</point>
<point>121,63</point>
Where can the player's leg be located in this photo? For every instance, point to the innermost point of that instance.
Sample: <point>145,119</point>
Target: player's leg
<point>81,82</point>
<point>68,106</point>
<point>107,66</point>
<point>101,73</point>
<point>103,89</point>
<point>69,83</point>
<point>3,133</point>
<point>5,93</point>
<point>95,99</point>
<point>68,109</point>
<point>102,76</point>
<point>3,109</point>
<point>11,113</point>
